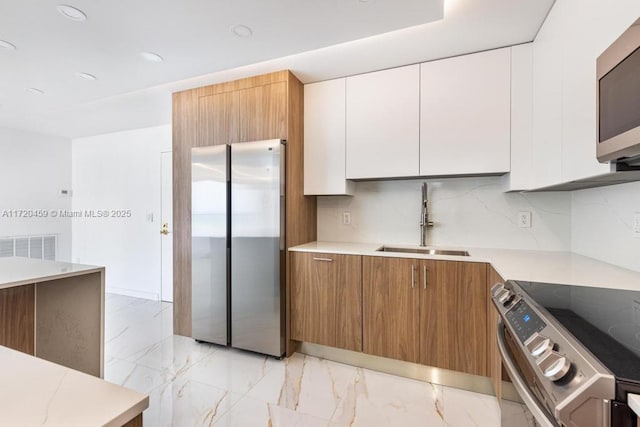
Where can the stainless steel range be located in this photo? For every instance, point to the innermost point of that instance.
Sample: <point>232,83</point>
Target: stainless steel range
<point>572,352</point>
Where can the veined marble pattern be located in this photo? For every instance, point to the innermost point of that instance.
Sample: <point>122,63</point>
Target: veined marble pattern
<point>473,212</point>
<point>602,224</point>
<point>198,384</point>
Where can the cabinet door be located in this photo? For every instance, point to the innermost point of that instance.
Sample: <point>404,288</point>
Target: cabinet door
<point>348,304</point>
<point>391,307</point>
<point>324,139</point>
<point>263,112</point>
<point>218,119</point>
<point>453,316</point>
<point>521,116</point>
<point>465,112</point>
<point>326,299</point>
<point>383,123</point>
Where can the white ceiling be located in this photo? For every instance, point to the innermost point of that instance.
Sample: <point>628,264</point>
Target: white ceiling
<point>317,40</point>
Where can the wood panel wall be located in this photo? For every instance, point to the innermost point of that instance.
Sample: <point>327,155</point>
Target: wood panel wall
<point>301,209</point>
<point>185,125</point>
<point>190,108</point>
<point>17,314</point>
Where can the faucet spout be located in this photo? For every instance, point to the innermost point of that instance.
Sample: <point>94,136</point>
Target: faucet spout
<point>424,216</point>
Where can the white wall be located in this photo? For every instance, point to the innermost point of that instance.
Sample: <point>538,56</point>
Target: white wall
<point>121,171</point>
<point>470,212</point>
<point>601,224</point>
<point>33,170</point>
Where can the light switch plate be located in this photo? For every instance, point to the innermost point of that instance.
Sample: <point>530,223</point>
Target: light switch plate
<point>524,219</point>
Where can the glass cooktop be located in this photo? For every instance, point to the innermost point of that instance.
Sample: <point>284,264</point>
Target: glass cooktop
<point>605,321</point>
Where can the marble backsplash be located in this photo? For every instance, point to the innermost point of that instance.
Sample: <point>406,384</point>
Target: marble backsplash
<point>602,224</point>
<point>468,212</point>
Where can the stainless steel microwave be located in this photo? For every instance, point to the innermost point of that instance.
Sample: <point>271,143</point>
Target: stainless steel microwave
<point>618,98</point>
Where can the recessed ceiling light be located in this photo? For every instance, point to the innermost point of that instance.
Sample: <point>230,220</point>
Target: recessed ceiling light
<point>6,45</point>
<point>36,91</point>
<point>71,12</point>
<point>151,57</point>
<point>242,31</point>
<point>85,76</point>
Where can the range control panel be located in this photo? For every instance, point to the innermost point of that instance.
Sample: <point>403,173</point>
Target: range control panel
<point>524,320</point>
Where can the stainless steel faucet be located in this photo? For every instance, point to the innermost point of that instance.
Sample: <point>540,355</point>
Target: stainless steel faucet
<point>424,216</point>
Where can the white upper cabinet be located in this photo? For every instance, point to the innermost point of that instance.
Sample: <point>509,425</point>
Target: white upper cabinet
<point>520,177</point>
<point>564,87</point>
<point>383,110</point>
<point>324,139</point>
<point>465,114</point>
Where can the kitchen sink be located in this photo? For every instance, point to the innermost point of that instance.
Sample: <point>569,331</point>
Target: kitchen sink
<point>425,251</point>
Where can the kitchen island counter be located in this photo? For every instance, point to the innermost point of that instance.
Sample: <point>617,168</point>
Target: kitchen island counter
<point>54,311</point>
<point>37,392</point>
<point>17,271</point>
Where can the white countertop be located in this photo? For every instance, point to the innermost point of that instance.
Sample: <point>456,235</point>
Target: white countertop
<point>17,271</point>
<point>533,266</point>
<point>37,392</point>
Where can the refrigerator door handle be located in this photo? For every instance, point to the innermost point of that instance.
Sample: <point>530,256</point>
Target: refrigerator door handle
<point>283,193</point>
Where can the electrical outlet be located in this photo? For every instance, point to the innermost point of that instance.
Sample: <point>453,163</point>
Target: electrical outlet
<point>524,219</point>
<point>636,225</point>
<point>346,218</point>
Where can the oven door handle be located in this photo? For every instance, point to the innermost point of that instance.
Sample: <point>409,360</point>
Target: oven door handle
<point>530,400</point>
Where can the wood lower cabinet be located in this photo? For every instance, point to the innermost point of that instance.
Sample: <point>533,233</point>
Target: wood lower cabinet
<point>326,299</point>
<point>391,307</point>
<point>453,316</point>
<point>494,361</point>
<point>425,311</point>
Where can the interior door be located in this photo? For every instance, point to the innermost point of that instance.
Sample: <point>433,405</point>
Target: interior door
<point>166,221</point>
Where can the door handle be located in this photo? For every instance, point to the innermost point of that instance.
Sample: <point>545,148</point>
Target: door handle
<point>165,228</point>
<point>323,259</point>
<point>424,279</point>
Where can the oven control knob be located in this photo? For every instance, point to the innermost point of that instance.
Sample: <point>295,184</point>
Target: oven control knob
<point>505,297</point>
<point>496,289</point>
<point>538,344</point>
<point>554,365</point>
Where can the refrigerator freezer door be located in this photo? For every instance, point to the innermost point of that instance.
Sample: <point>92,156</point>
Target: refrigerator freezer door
<point>209,231</point>
<point>257,246</point>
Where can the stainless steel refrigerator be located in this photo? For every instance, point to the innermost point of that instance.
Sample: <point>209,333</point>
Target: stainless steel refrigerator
<point>238,246</point>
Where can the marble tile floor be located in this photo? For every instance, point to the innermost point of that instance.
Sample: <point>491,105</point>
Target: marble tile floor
<point>197,384</point>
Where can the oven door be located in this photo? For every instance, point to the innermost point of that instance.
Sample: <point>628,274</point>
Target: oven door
<point>514,414</point>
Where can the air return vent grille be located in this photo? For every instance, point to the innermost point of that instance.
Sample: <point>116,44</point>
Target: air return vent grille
<point>37,247</point>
